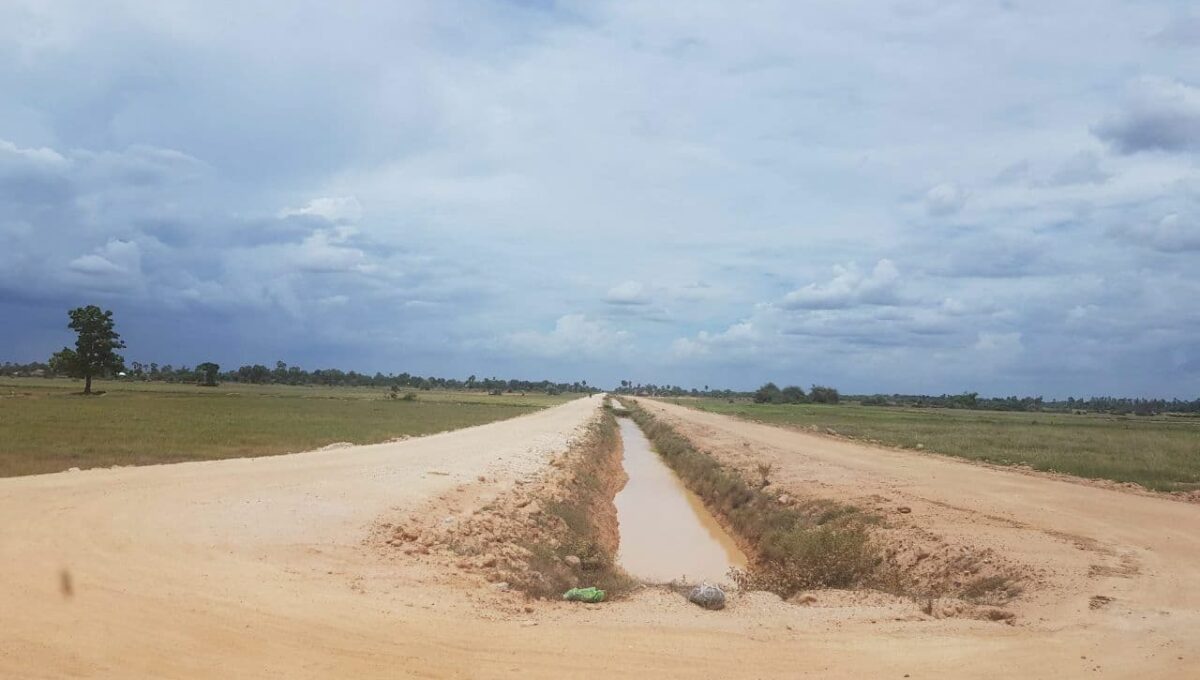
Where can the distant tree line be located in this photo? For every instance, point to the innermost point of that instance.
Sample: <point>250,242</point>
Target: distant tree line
<point>95,356</point>
<point>209,373</point>
<point>35,369</point>
<point>972,400</point>
<point>653,390</point>
<point>770,393</point>
<point>773,394</point>
<point>283,374</point>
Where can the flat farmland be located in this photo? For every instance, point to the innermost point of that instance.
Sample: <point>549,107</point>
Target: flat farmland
<point>1159,452</point>
<point>47,426</point>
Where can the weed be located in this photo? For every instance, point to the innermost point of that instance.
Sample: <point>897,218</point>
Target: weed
<point>990,590</point>
<point>764,474</point>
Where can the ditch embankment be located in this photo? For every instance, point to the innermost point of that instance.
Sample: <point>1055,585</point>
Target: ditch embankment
<point>686,516</point>
<point>553,531</point>
<point>799,541</point>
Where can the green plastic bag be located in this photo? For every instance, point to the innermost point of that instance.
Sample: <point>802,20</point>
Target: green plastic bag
<point>592,594</point>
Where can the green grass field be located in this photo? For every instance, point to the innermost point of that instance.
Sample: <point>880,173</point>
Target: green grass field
<point>47,426</point>
<point>1161,452</point>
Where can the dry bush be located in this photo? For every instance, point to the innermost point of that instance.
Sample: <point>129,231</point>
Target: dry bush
<point>764,473</point>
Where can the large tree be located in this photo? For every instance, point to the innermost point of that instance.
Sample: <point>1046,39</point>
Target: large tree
<point>209,371</point>
<point>767,394</point>
<point>96,347</point>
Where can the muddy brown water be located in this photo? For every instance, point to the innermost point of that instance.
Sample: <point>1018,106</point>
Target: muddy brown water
<point>666,532</point>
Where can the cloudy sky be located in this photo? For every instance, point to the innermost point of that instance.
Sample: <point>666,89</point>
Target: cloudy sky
<point>905,196</point>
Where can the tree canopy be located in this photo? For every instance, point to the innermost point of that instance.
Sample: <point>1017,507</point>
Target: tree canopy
<point>96,347</point>
<point>209,371</point>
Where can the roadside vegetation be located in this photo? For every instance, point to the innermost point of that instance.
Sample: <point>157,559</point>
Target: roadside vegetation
<point>48,426</point>
<point>1158,452</point>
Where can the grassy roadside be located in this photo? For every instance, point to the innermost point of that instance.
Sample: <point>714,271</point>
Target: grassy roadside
<point>805,545</point>
<point>46,427</point>
<point>1160,453</point>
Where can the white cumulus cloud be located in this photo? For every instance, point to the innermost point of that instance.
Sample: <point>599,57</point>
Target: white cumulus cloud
<point>573,335</point>
<point>336,209</point>
<point>849,287</point>
<point>627,293</point>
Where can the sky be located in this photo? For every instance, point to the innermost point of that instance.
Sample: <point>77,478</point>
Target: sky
<point>904,196</point>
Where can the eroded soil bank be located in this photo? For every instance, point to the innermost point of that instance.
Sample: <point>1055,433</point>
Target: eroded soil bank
<point>554,531</point>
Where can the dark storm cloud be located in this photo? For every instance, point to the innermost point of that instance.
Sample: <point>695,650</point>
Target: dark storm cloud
<point>1162,115</point>
<point>455,187</point>
<point>1183,31</point>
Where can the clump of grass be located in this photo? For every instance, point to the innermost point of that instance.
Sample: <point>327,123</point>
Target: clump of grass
<point>819,544</point>
<point>764,473</point>
<point>809,558</point>
<point>995,589</point>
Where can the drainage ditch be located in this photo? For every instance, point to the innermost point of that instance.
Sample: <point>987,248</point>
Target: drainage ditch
<point>635,501</point>
<point>666,533</point>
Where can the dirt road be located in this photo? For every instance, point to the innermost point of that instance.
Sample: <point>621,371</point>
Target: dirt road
<point>265,568</point>
<point>239,568</point>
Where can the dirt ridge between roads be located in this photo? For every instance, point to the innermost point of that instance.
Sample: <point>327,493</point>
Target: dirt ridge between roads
<point>265,568</point>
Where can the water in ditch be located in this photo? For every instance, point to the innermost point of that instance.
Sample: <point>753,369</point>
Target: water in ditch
<point>666,532</point>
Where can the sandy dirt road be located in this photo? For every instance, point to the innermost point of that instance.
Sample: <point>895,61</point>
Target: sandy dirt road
<point>238,568</point>
<point>264,568</point>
